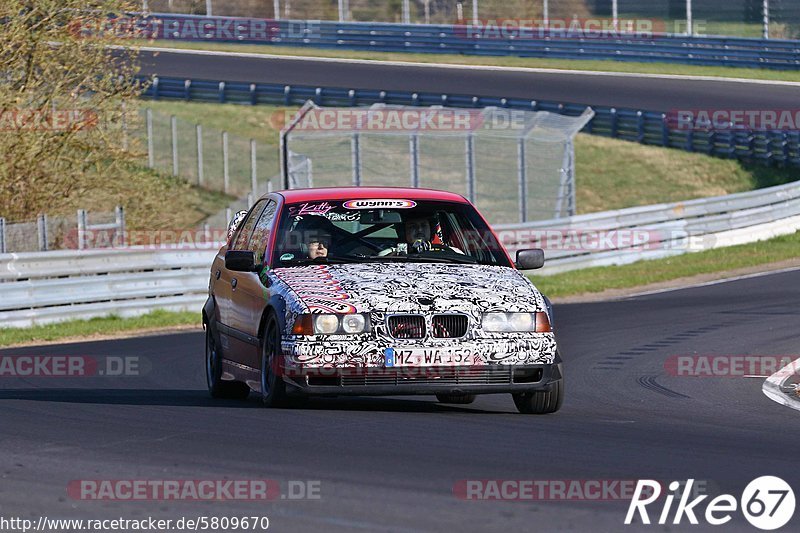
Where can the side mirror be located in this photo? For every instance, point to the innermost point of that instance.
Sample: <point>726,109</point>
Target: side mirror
<point>240,260</point>
<point>530,259</point>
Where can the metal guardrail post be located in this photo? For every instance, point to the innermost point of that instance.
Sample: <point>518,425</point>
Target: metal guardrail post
<point>151,162</point>
<point>470,156</point>
<point>522,180</point>
<point>413,148</point>
<point>253,169</point>
<point>2,235</point>
<point>173,124</point>
<point>765,13</point>
<point>689,28</point>
<point>355,155</point>
<point>41,224</point>
<point>81,229</point>
<point>225,174</point>
<point>119,213</point>
<point>198,130</point>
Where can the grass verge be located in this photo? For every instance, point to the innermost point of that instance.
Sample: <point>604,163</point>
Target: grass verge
<point>593,280</point>
<point>86,329</point>
<point>526,62</point>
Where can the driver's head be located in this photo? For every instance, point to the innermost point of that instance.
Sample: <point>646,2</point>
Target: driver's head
<point>318,246</point>
<point>417,229</point>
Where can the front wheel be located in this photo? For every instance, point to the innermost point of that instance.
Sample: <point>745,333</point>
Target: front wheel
<point>541,402</point>
<point>273,388</point>
<point>217,387</point>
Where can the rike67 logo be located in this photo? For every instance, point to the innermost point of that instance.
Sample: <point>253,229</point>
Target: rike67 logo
<point>767,503</point>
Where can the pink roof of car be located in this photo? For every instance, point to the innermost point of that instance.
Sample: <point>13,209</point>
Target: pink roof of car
<point>358,193</point>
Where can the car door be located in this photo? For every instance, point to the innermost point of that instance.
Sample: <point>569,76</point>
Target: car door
<point>234,344</point>
<point>249,295</point>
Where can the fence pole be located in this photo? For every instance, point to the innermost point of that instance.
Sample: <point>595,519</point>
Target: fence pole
<point>198,129</point>
<point>276,7</point>
<point>81,229</point>
<point>546,14</point>
<point>413,148</point>
<point>173,123</point>
<point>2,235</point>
<point>427,5</point>
<point>150,155</point>
<point>765,12</point>
<point>225,175</point>
<point>250,200</point>
<point>615,14</point>
<point>228,214</point>
<point>341,10</point>
<point>269,186</point>
<point>209,10</point>
<point>119,212</point>
<point>406,12</point>
<point>470,155</point>
<point>41,223</point>
<point>253,169</point>
<point>355,155</point>
<point>522,179</point>
<point>475,12</point>
<point>689,29</point>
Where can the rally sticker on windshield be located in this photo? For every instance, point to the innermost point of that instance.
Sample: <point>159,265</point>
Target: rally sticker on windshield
<point>377,203</point>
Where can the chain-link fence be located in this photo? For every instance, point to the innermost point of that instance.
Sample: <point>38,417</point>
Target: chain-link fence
<point>741,18</point>
<point>210,158</point>
<point>83,231</point>
<point>515,165</point>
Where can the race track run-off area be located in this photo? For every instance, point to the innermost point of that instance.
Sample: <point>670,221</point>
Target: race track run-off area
<point>402,463</point>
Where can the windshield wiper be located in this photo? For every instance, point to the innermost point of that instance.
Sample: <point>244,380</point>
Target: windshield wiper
<point>422,259</point>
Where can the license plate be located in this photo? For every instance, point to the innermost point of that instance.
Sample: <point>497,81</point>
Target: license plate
<point>414,357</point>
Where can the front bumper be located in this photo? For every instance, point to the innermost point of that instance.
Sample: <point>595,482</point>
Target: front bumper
<point>482,379</point>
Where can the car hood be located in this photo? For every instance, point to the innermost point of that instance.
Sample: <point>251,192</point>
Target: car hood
<point>406,287</point>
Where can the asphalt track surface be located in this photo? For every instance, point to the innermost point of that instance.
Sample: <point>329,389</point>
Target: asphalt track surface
<point>390,464</point>
<point>654,94</point>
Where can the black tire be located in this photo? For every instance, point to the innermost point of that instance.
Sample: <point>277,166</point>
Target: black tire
<point>458,399</point>
<point>541,402</point>
<point>273,388</point>
<point>217,387</point>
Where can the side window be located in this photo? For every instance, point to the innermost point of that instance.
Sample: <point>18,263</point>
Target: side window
<point>243,235</point>
<point>260,238</point>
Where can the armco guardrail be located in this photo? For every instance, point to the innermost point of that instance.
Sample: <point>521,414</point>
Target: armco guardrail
<point>44,287</point>
<point>53,286</point>
<point>657,231</point>
<point>455,39</point>
<point>646,127</point>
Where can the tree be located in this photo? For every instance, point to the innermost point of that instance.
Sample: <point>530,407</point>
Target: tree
<point>63,92</point>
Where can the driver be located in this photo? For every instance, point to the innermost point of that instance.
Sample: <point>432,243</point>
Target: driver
<point>318,245</point>
<point>419,238</point>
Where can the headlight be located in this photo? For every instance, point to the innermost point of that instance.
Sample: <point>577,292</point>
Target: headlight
<point>329,324</point>
<point>510,322</point>
<point>326,324</point>
<point>353,323</point>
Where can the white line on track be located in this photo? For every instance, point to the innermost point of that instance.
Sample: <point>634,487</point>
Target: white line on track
<point>772,386</point>
<point>469,67</point>
<point>714,282</point>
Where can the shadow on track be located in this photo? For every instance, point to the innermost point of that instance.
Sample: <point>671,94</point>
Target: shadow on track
<point>200,398</point>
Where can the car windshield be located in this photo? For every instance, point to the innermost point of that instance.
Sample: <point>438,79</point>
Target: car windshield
<point>385,230</point>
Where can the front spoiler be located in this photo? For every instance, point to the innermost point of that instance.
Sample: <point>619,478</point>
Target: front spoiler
<point>485,379</point>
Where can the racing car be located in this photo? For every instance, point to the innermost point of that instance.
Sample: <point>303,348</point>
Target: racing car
<point>376,291</point>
